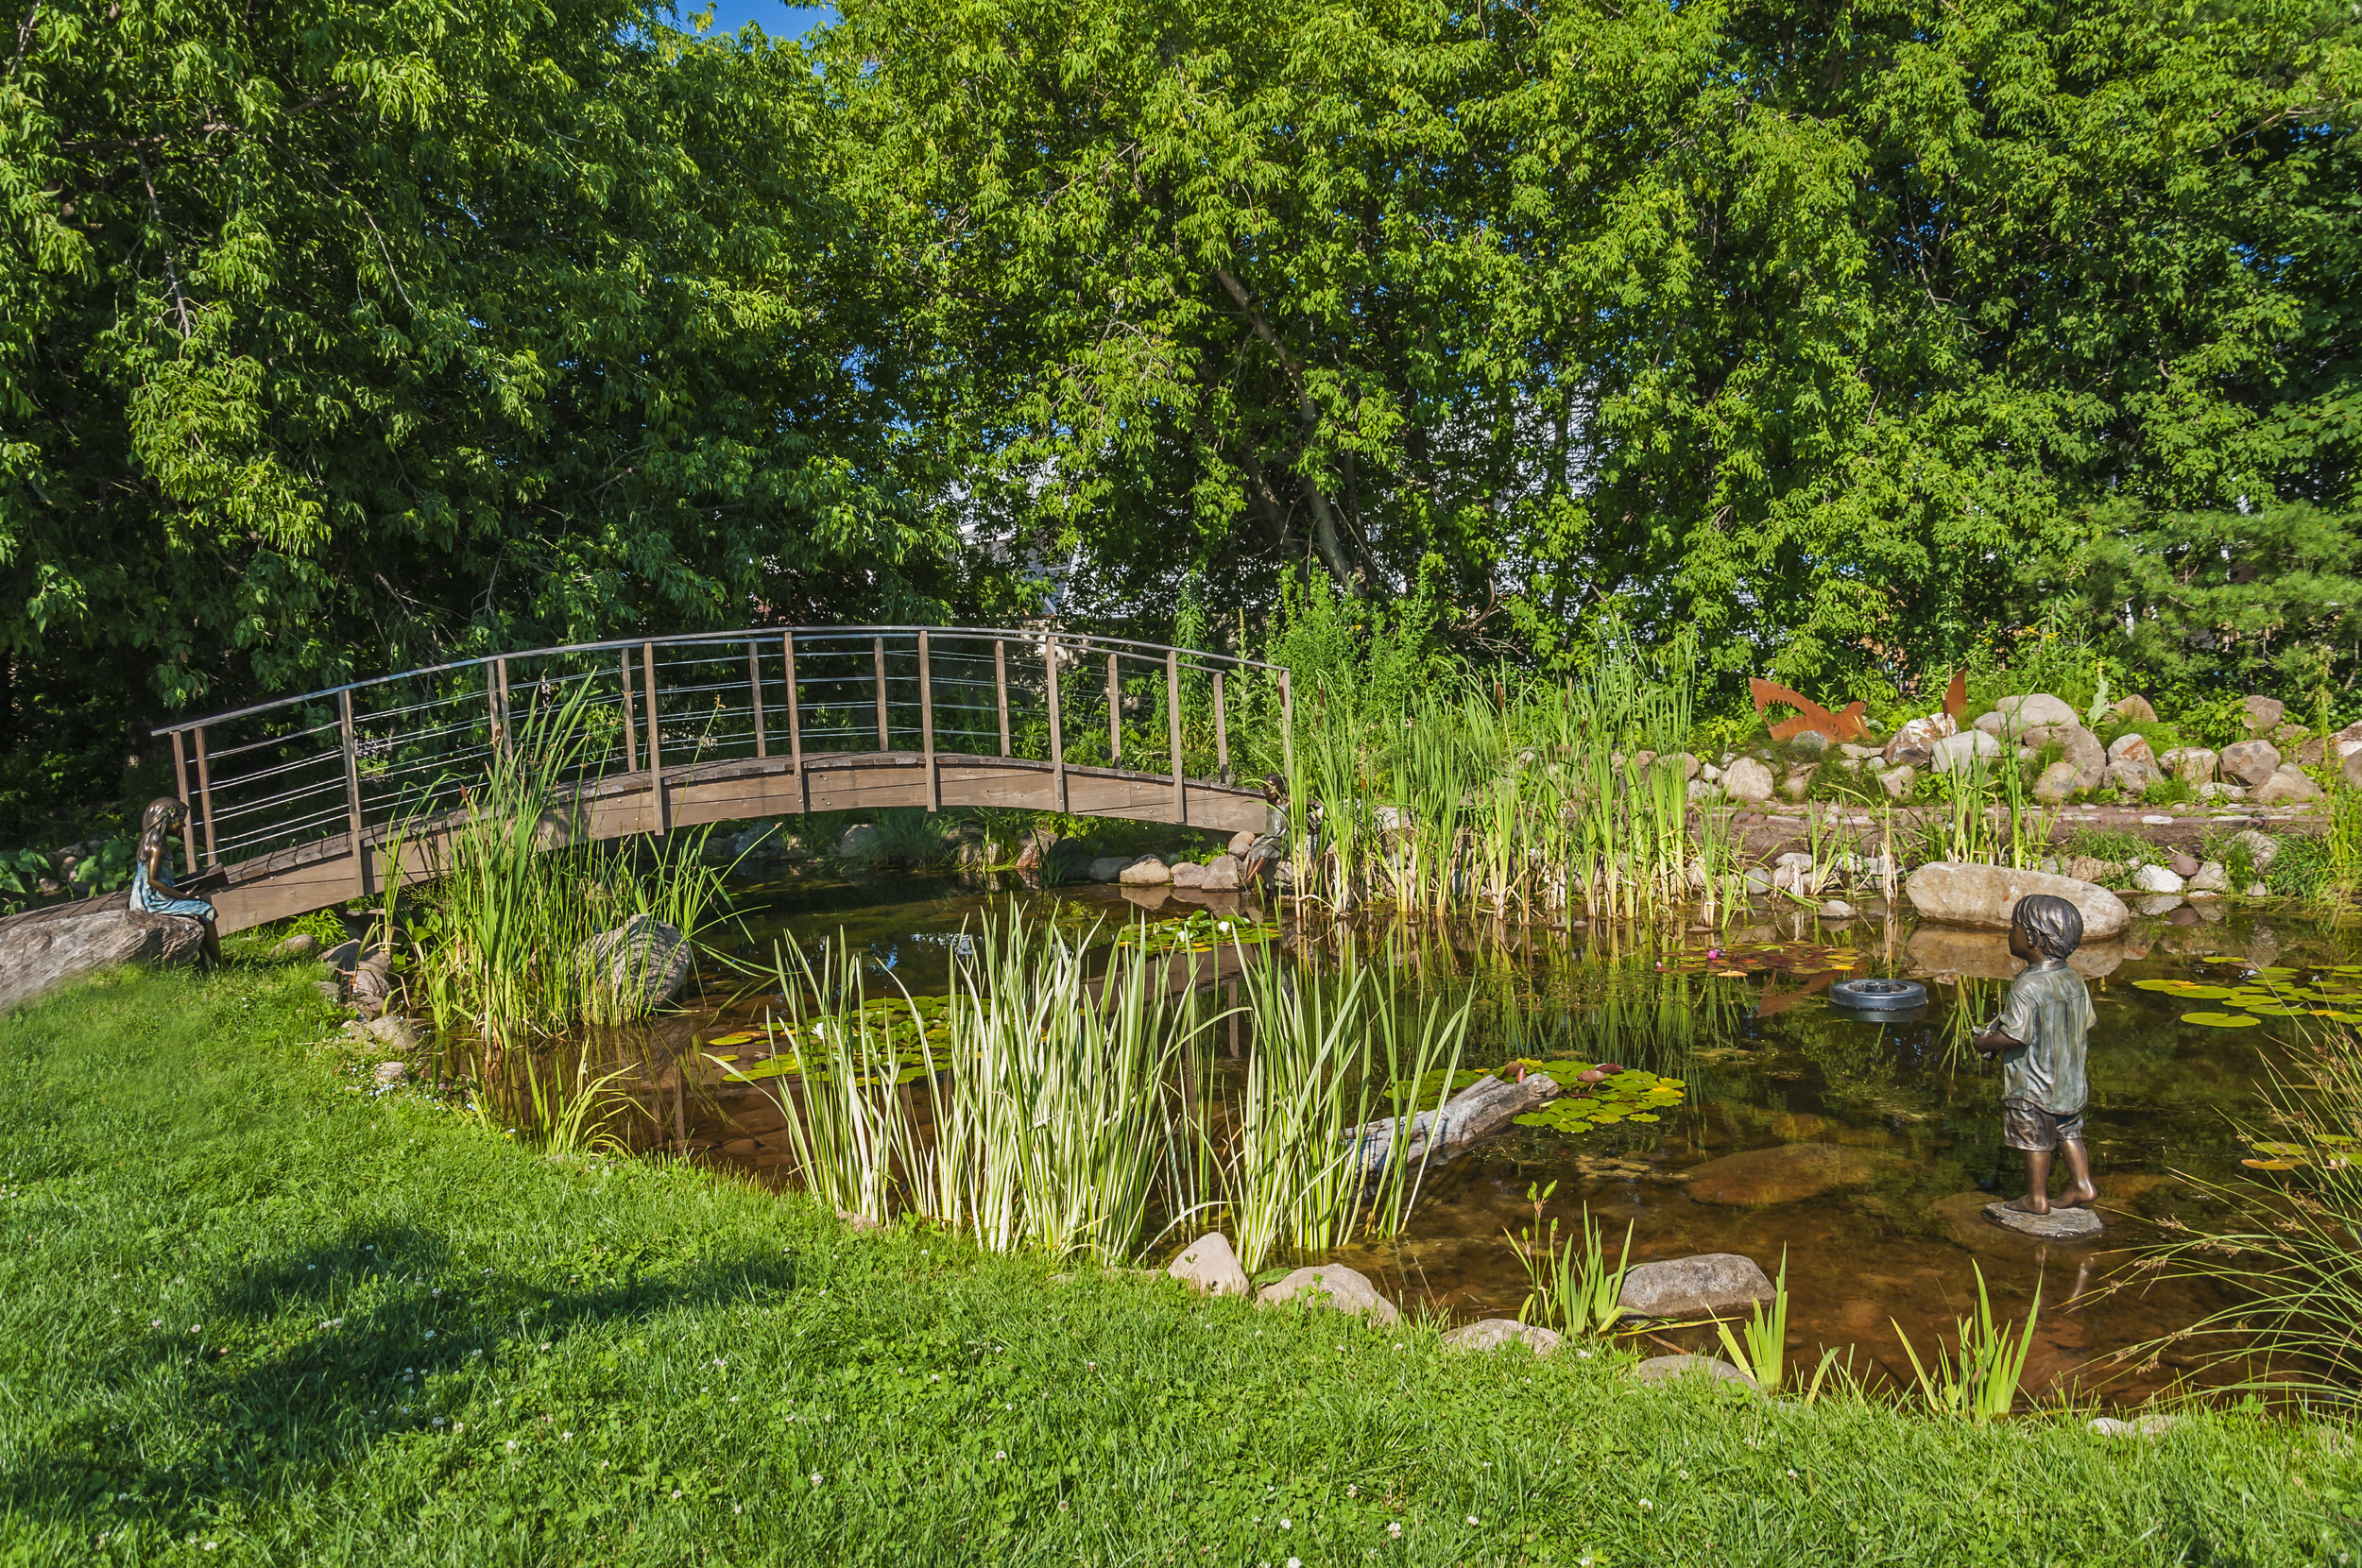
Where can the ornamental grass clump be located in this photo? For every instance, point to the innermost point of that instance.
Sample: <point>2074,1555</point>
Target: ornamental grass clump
<point>519,891</point>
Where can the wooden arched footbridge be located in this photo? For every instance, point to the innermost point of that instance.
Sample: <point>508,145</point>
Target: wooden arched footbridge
<point>306,802</point>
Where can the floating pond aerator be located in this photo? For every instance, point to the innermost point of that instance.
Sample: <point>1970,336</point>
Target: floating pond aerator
<point>1878,995</point>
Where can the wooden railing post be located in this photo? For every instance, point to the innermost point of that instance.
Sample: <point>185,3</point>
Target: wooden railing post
<point>352,794</point>
<point>656,738</point>
<point>754,685</point>
<point>631,748</point>
<point>926,723</point>
<point>205,799</point>
<point>1001,689</point>
<point>1172,724</point>
<point>794,724</point>
<point>188,818</point>
<point>877,651</point>
<point>1057,740</point>
<point>1115,712</point>
<point>1222,734</point>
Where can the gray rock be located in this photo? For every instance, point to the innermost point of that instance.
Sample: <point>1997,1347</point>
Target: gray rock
<point>2193,764</point>
<point>344,957</point>
<point>2211,877</point>
<point>1149,871</point>
<point>43,948</point>
<point>1187,874</point>
<point>644,960</point>
<point>1991,724</point>
<point>1223,875</point>
<point>1899,781</point>
<point>2033,710</point>
<point>1242,841</point>
<point>2155,1425</point>
<point>1696,1287</point>
<point>1798,784</point>
<point>2056,783</point>
<point>2133,775</point>
<point>1335,1285</point>
<point>2350,769</point>
<point>1915,741</point>
<point>1209,1267</point>
<point>388,1075</point>
<point>2184,867</point>
<point>1704,791</point>
<point>2156,903</point>
<point>2216,790</point>
<point>1838,909</point>
<point>301,944</point>
<point>2286,786</point>
<point>1747,781</point>
<point>390,1032</point>
<point>1107,868</point>
<point>2074,1224</point>
<point>2131,748</point>
<point>2080,747</point>
<point>1982,896</point>
<point>2250,762</point>
<point>2157,878</point>
<point>1493,1333</point>
<point>1672,1369</point>
<point>1811,743</point>
<point>2256,889</point>
<point>1959,753</point>
<point>2262,714</point>
<point>860,842</point>
<point>2134,710</point>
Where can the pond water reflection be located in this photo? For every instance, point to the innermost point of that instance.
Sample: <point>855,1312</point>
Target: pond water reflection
<point>1862,1147</point>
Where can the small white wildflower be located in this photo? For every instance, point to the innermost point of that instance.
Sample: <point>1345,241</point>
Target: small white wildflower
<point>1287,1523</point>
<point>815,1477</point>
<point>1646,1505</point>
<point>1353,1492</point>
<point>1000,1454</point>
<point>512,1448</point>
<point>1472,1519</point>
<point>1683,1473</point>
<point>1395,1529</point>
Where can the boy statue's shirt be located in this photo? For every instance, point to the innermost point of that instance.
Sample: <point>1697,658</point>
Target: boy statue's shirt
<point>2049,1008</point>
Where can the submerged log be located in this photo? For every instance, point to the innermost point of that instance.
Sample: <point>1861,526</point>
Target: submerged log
<point>1482,1109</point>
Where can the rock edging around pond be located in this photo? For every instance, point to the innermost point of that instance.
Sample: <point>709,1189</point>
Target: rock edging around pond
<point>1952,893</point>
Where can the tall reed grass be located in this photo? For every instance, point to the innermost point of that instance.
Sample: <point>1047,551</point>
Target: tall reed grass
<point>520,891</point>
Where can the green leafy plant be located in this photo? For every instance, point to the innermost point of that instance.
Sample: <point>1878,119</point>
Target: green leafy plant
<point>1978,1380</point>
<point>1761,1344</point>
<point>1570,1287</point>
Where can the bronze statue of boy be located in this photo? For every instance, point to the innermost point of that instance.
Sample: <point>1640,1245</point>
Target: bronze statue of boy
<point>2040,1037</point>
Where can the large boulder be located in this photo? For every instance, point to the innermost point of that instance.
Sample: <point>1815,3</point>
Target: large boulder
<point>1107,868</point>
<point>2262,714</point>
<point>1333,1285</point>
<point>1915,741</point>
<point>1790,1173</point>
<point>43,948</point>
<point>1149,871</point>
<point>2134,710</point>
<point>2134,777</point>
<point>1959,753</point>
<point>2080,747</point>
<point>2193,764</point>
<point>2056,783</point>
<point>1748,781</point>
<point>2351,770</point>
<point>860,842</point>
<point>1696,1287</point>
<point>2131,748</point>
<point>1187,874</point>
<point>2034,709</point>
<point>1223,873</point>
<point>2286,786</point>
<point>643,960</point>
<point>2250,762</point>
<point>1981,896</point>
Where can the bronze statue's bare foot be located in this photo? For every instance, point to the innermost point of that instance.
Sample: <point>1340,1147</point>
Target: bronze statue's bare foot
<point>2077,1195</point>
<point>2033,1203</point>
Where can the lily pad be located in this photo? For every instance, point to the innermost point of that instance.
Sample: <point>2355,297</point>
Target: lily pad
<point>2221,1021</point>
<point>2272,1165</point>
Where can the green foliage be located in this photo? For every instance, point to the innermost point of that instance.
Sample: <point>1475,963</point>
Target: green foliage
<point>1570,1288</point>
<point>1978,1379</point>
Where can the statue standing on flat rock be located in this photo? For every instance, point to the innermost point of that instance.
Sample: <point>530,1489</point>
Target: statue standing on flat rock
<point>2040,1037</point>
<point>153,891</point>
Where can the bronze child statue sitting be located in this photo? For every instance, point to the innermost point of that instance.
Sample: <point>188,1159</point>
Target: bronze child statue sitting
<point>2041,1038</point>
<point>153,890</point>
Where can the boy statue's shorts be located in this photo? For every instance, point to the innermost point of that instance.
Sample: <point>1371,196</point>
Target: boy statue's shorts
<point>2026,1125</point>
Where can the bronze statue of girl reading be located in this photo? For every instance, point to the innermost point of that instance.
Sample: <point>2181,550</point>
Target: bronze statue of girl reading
<point>153,891</point>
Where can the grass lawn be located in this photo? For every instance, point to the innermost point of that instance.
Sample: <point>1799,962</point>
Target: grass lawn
<point>251,1313</point>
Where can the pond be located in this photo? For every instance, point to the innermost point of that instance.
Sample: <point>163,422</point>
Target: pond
<point>1860,1148</point>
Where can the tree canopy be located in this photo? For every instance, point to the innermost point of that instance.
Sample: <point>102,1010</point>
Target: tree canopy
<point>338,336</point>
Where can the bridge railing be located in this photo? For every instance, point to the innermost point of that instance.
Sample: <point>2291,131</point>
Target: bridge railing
<point>333,772</point>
